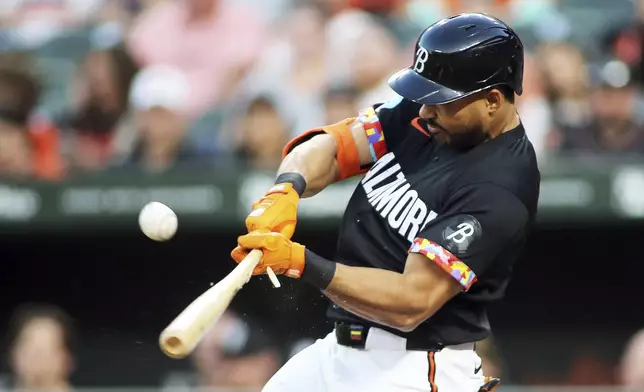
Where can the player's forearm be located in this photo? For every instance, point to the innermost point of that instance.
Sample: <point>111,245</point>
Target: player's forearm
<point>315,160</point>
<point>363,312</point>
<point>381,296</point>
<point>374,294</point>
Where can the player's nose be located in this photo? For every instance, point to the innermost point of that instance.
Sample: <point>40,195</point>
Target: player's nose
<point>427,111</point>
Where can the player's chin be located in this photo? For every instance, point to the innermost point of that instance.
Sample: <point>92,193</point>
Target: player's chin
<point>442,137</point>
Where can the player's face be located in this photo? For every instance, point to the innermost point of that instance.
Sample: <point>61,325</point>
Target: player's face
<point>463,123</point>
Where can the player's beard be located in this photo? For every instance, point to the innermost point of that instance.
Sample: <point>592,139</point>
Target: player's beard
<point>468,139</point>
<point>463,140</point>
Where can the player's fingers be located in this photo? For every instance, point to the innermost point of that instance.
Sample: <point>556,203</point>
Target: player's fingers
<point>252,240</point>
<point>288,229</point>
<point>259,270</point>
<point>259,239</point>
<point>252,223</point>
<point>238,254</point>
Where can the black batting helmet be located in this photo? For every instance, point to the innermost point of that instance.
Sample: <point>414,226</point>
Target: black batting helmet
<point>459,56</point>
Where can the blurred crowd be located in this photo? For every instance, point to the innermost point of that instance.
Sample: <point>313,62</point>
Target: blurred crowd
<point>237,352</point>
<point>154,85</point>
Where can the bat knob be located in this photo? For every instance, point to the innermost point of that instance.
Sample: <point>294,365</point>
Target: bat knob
<point>173,347</point>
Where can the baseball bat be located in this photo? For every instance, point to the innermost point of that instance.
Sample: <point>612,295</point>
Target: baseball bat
<point>183,334</point>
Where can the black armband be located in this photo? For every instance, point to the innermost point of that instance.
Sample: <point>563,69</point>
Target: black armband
<point>298,181</point>
<point>318,271</point>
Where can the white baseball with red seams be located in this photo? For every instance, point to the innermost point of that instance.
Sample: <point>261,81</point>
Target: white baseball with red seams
<point>157,221</point>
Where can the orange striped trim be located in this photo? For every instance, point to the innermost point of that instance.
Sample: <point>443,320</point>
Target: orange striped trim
<point>432,371</point>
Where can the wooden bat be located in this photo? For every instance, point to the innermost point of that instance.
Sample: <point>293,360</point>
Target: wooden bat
<point>183,334</point>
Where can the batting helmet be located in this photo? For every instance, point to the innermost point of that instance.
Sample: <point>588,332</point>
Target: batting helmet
<point>459,56</point>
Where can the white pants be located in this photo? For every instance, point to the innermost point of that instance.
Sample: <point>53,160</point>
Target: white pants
<point>383,366</point>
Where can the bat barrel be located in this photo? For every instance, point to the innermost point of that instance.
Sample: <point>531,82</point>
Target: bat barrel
<point>183,334</point>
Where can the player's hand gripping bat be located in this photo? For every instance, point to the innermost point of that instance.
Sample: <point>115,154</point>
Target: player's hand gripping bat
<point>183,334</point>
<point>275,211</point>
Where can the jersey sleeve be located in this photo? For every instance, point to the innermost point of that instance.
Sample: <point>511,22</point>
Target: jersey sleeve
<point>386,124</point>
<point>477,223</point>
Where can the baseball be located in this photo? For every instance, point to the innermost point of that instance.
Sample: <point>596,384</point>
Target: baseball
<point>157,221</point>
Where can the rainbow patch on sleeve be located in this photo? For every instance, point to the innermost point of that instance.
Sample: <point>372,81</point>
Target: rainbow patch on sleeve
<point>375,135</point>
<point>444,259</point>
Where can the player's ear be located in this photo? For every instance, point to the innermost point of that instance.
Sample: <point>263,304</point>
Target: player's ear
<point>493,100</point>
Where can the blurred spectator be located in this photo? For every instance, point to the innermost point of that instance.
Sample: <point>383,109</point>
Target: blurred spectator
<point>370,77</point>
<point>272,10</point>
<point>333,7</point>
<point>625,42</point>
<point>566,77</point>
<point>627,45</point>
<point>344,31</point>
<point>264,134</point>
<point>340,103</point>
<point>615,126</point>
<point>632,364</point>
<point>28,145</point>
<point>354,39</point>
<point>313,46</point>
<point>405,19</point>
<point>293,69</point>
<point>35,22</point>
<point>498,8</point>
<point>589,368</point>
<point>534,108</point>
<point>18,95</point>
<point>537,13</point>
<point>234,354</point>
<point>16,151</point>
<point>100,104</point>
<point>158,97</point>
<point>41,356</point>
<point>214,43</point>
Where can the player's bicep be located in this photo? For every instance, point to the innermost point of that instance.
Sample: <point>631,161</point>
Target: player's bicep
<point>429,285</point>
<point>478,225</point>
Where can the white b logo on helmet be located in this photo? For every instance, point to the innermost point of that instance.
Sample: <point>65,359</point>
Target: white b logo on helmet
<point>421,57</point>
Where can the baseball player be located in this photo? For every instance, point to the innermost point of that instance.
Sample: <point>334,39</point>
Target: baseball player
<point>432,231</point>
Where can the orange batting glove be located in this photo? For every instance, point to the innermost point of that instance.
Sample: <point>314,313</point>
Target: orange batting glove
<point>275,211</point>
<point>284,256</point>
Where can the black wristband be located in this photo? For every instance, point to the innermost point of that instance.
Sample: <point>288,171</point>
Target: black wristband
<point>298,181</point>
<point>318,271</point>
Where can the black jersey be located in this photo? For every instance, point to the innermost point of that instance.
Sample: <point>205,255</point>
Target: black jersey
<point>467,211</point>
